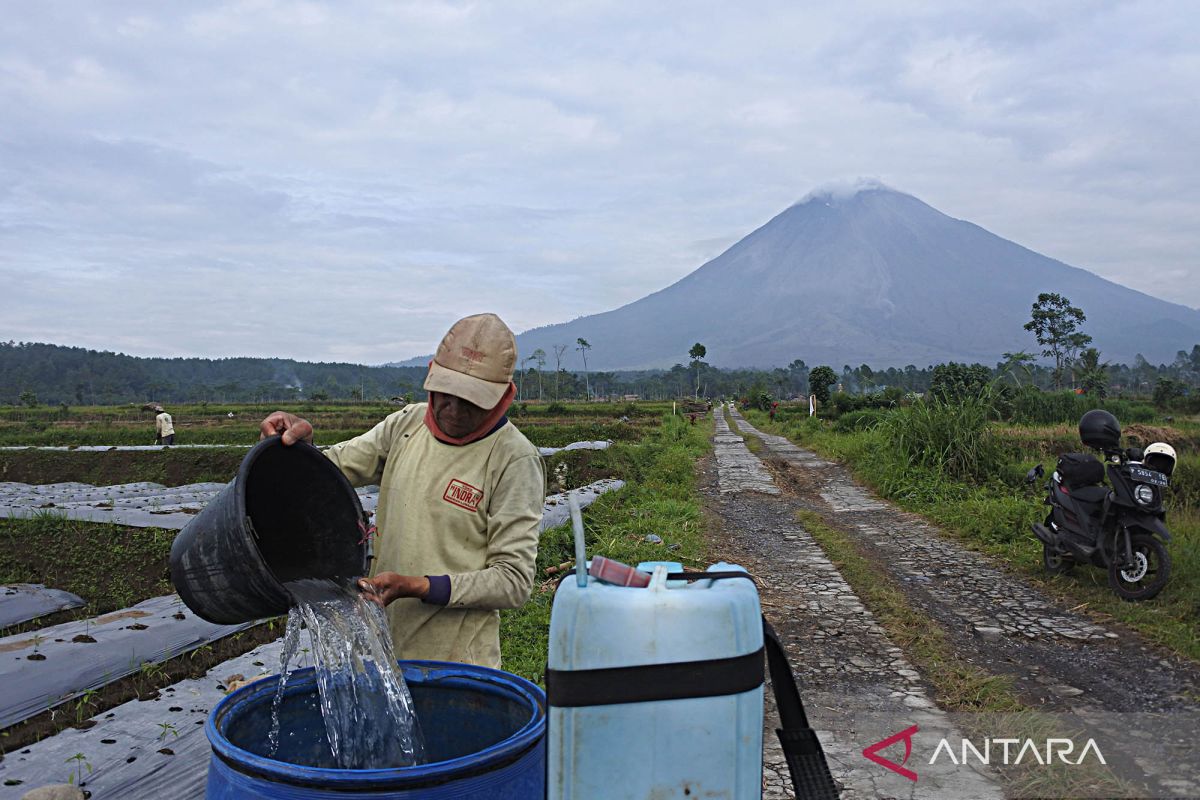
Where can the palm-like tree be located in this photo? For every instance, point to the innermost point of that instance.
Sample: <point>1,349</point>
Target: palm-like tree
<point>1093,375</point>
<point>583,348</point>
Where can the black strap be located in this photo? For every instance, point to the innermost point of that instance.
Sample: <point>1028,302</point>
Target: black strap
<point>811,778</point>
<point>649,682</point>
<point>710,576</point>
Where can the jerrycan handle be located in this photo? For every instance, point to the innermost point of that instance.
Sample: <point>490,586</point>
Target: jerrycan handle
<point>581,576</point>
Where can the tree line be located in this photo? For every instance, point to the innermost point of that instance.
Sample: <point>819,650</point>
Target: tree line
<point>43,373</point>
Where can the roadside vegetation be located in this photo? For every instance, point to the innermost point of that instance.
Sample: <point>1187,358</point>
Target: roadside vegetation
<point>660,498</point>
<point>954,462</point>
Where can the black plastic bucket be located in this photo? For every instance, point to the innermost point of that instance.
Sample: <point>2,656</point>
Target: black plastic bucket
<point>289,515</point>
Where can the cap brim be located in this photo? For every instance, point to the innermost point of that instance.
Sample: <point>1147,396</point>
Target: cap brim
<point>484,394</point>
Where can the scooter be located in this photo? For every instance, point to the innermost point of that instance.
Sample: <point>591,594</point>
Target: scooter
<point>1122,528</point>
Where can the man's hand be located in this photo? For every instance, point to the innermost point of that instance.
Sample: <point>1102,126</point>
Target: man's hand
<point>388,586</point>
<point>294,429</point>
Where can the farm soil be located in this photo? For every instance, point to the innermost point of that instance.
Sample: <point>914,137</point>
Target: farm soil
<point>110,566</point>
<point>107,468</point>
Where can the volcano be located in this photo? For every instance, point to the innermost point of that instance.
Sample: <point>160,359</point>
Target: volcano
<point>870,276</point>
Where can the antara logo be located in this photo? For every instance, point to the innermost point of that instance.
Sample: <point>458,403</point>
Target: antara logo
<point>1060,749</point>
<point>906,735</point>
<point>993,751</point>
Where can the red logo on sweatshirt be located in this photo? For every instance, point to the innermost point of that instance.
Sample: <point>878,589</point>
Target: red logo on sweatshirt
<point>463,495</point>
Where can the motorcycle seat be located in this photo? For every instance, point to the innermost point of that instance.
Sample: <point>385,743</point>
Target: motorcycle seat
<point>1089,494</point>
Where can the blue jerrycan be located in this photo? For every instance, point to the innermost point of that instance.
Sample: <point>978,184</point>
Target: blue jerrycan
<point>655,691</point>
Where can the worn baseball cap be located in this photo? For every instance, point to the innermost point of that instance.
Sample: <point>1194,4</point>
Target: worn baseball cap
<point>474,361</point>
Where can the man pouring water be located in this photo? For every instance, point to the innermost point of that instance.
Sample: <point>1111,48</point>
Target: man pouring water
<point>460,499</point>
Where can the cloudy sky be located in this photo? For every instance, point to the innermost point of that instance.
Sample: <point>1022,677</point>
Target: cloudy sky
<point>342,180</point>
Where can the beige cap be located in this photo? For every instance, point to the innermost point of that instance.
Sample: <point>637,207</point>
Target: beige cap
<point>475,360</point>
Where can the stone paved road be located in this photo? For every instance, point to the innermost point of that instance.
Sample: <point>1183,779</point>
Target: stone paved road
<point>1061,660</point>
<point>852,674</point>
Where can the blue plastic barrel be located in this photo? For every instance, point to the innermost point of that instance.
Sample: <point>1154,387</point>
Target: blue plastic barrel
<point>484,737</point>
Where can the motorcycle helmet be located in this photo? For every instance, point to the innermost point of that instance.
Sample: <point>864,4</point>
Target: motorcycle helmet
<point>1160,457</point>
<point>1100,429</point>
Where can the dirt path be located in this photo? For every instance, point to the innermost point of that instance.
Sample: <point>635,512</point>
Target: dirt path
<point>1061,661</point>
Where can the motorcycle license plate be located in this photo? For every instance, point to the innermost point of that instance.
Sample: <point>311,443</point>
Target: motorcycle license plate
<point>1149,476</point>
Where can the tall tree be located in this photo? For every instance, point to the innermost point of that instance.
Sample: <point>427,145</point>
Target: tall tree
<point>583,347</point>
<point>696,354</point>
<point>819,381</point>
<point>558,349</point>
<point>798,373</point>
<point>524,370</point>
<point>539,358</point>
<point>1055,323</point>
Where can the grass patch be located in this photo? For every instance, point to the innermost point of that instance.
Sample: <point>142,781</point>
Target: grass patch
<point>753,443</point>
<point>660,497</point>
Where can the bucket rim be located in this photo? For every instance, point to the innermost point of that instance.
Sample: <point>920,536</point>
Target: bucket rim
<point>242,479</point>
<point>422,671</point>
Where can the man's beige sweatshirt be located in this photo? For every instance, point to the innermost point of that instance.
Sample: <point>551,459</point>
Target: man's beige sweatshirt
<point>471,512</point>
<point>163,425</point>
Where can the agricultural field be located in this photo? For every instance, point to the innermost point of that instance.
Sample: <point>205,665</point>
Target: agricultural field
<point>959,468</point>
<point>547,424</point>
<point>113,567</point>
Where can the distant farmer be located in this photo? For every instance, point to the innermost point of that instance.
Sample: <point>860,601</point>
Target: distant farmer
<point>774,408</point>
<point>460,499</point>
<point>164,427</point>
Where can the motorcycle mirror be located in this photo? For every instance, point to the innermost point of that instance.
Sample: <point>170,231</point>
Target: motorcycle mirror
<point>1034,474</point>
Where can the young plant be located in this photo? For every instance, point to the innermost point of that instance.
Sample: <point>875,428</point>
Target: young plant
<point>76,776</point>
<point>84,702</point>
<point>37,640</point>
<point>165,728</point>
<point>151,670</point>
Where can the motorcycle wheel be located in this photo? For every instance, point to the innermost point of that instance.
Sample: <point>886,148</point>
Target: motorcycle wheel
<point>1147,576</point>
<point>1056,563</point>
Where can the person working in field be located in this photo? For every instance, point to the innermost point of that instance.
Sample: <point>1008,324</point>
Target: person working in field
<point>460,499</point>
<point>164,427</point>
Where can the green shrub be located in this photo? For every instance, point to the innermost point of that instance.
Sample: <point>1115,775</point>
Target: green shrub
<point>954,439</point>
<point>1033,407</point>
<point>845,403</point>
<point>858,420</point>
